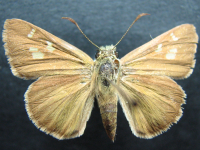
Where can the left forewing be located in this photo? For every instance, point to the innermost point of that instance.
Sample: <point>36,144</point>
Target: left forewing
<point>33,52</point>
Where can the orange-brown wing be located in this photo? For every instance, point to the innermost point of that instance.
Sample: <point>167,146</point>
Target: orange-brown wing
<point>60,105</point>
<point>153,101</point>
<point>61,100</point>
<point>33,52</point>
<point>170,54</point>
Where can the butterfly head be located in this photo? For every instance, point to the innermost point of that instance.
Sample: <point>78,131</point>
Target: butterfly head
<point>106,51</point>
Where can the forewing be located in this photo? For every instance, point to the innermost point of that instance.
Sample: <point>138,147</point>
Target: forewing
<point>60,105</point>
<point>33,52</point>
<point>170,54</point>
<point>152,105</point>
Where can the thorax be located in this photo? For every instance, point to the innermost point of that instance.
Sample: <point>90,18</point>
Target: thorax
<point>106,65</point>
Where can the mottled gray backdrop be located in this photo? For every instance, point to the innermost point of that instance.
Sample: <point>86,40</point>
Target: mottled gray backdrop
<point>104,22</point>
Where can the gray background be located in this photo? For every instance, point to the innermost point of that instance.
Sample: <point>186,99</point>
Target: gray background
<point>104,22</point>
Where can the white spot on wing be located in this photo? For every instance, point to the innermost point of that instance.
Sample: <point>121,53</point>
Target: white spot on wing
<point>173,37</point>
<point>30,35</point>
<point>174,50</point>
<point>33,49</point>
<point>160,45</point>
<point>159,48</point>
<point>49,46</point>
<point>170,56</point>
<point>38,55</point>
<point>49,43</point>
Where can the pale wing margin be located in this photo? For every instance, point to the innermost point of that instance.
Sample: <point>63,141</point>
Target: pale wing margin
<point>60,105</point>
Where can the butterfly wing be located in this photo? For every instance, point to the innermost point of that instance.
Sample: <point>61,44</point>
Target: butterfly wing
<point>154,99</point>
<point>170,54</point>
<point>60,105</point>
<point>33,52</point>
<point>154,103</point>
<point>61,100</point>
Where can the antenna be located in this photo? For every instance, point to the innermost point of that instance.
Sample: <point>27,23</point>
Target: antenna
<point>138,17</point>
<point>73,21</point>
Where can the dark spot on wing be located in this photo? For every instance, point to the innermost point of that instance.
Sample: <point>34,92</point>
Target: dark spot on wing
<point>140,132</point>
<point>134,103</point>
<point>74,133</point>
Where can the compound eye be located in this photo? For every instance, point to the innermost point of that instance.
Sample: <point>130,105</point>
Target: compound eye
<point>116,54</point>
<point>97,54</point>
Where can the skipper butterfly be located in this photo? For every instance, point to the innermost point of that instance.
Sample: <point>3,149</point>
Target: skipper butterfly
<point>60,101</point>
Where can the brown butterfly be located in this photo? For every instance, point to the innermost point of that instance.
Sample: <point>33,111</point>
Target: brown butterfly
<point>61,100</point>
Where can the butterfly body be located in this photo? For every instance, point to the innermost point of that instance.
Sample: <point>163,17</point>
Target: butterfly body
<point>107,67</point>
<point>60,101</point>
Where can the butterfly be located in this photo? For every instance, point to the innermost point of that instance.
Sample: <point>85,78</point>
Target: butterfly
<point>60,101</point>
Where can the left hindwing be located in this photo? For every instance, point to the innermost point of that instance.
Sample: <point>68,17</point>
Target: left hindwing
<point>33,52</point>
<point>60,105</point>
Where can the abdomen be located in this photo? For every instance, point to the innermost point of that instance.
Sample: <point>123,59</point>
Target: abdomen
<point>107,98</point>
